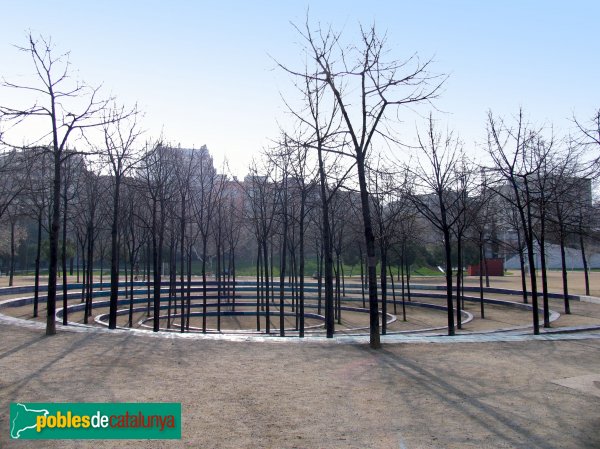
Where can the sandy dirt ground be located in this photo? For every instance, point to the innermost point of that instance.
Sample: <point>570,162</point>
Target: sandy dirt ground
<point>319,395</point>
<point>272,395</point>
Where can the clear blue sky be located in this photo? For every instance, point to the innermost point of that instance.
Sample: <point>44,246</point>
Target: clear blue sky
<point>203,73</point>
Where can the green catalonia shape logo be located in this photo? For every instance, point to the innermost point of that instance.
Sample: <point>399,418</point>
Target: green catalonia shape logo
<point>23,418</point>
<point>95,420</point>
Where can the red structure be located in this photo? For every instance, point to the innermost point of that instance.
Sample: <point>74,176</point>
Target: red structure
<point>495,267</point>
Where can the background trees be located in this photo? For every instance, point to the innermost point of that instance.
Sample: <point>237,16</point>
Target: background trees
<point>309,197</point>
<point>366,88</point>
<point>433,194</point>
<point>68,108</point>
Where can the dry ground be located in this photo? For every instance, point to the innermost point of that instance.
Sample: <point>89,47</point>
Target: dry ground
<point>245,395</point>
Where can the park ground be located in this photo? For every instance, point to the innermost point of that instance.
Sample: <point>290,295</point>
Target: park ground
<point>526,394</point>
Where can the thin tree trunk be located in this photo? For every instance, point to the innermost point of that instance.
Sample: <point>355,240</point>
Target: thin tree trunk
<point>403,297</point>
<point>532,269</point>
<point>565,281</point>
<point>132,267</point>
<point>343,279</point>
<point>54,230</point>
<point>320,279</point>
<point>458,282</point>
<point>189,289</point>
<point>258,285</point>
<point>374,339</point>
<point>362,277</point>
<point>77,256</point>
<point>383,281</point>
<point>63,259</point>
<point>283,256</point>
<point>522,265</point>
<point>338,290</point>
<point>90,272</point>
<point>449,299</point>
<point>204,245</point>
<point>157,248</point>
<point>327,247</point>
<point>544,279</point>
<point>302,263</point>
<point>585,265</point>
<point>114,257</point>
<point>182,267</point>
<point>481,302</point>
<point>171,272</point>
<point>218,279</point>
<point>12,254</point>
<point>84,279</point>
<point>148,279</point>
<point>393,289</point>
<point>408,296</point>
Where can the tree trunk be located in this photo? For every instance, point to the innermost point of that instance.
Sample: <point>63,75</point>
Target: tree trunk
<point>327,247</point>
<point>458,282</point>
<point>12,254</point>
<point>302,263</point>
<point>266,270</point>
<point>481,302</point>
<point>532,277</point>
<point>585,265</point>
<point>157,248</point>
<point>449,299</point>
<point>403,297</point>
<point>114,258</point>
<point>77,257</point>
<point>90,271</point>
<point>54,230</point>
<point>362,276</point>
<point>182,266</point>
<point>522,265</point>
<point>258,285</point>
<point>383,281</point>
<point>283,256</point>
<point>233,292</point>
<point>38,252</point>
<point>148,279</point>
<point>320,279</point>
<point>172,258</point>
<point>544,279</point>
<point>218,279</point>
<point>204,245</point>
<point>63,258</point>
<point>189,289</point>
<point>338,295</point>
<point>84,278</point>
<point>374,339</point>
<point>393,289</point>
<point>563,263</point>
<point>132,267</point>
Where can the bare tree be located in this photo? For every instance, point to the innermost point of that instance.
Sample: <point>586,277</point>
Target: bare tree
<point>463,217</point>
<point>368,90</point>
<point>263,202</point>
<point>156,171</point>
<point>515,169</point>
<point>203,203</point>
<point>590,132</point>
<point>68,109</point>
<point>433,194</point>
<point>37,190</point>
<point>121,132</point>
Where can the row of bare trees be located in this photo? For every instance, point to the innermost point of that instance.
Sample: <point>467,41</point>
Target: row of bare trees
<point>328,179</point>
